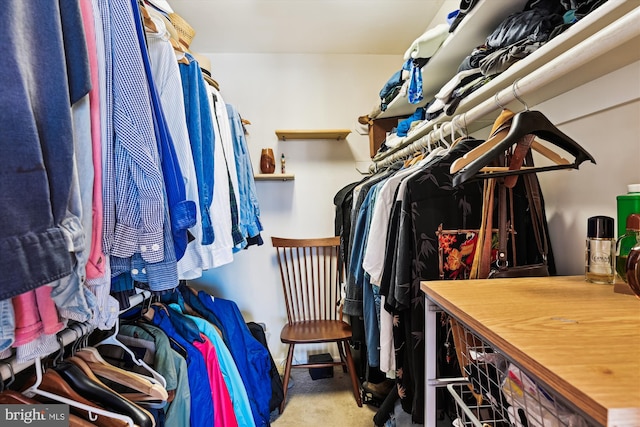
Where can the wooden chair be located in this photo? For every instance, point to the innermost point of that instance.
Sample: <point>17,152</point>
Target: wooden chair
<point>312,273</point>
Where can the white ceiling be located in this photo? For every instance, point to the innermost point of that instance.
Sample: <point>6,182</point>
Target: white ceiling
<point>307,26</point>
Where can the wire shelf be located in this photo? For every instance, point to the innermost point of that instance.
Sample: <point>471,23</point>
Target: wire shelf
<point>499,393</point>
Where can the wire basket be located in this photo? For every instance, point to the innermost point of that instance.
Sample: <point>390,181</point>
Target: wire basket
<point>470,412</point>
<point>515,396</point>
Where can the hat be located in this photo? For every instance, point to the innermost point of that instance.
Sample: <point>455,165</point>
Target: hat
<point>185,31</point>
<point>205,66</point>
<point>162,5</point>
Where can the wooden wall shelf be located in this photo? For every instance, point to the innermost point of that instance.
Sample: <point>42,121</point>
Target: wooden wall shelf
<point>274,177</point>
<point>313,134</point>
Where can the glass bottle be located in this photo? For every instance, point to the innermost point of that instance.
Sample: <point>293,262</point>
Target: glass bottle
<point>283,165</point>
<point>627,241</point>
<point>600,251</point>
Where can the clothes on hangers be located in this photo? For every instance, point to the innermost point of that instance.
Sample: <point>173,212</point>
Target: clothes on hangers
<point>394,246</point>
<point>252,359</point>
<point>126,205</point>
<point>228,368</point>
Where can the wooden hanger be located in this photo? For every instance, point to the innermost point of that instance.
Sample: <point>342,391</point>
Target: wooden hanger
<point>527,122</point>
<point>121,376</point>
<point>146,19</point>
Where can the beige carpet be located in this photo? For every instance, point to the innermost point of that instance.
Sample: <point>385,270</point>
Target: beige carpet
<point>323,402</point>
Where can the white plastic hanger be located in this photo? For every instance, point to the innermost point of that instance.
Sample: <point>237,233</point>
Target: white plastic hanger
<point>92,411</point>
<point>441,137</point>
<point>113,340</point>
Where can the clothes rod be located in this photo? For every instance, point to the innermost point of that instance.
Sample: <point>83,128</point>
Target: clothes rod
<point>616,34</point>
<point>67,336</point>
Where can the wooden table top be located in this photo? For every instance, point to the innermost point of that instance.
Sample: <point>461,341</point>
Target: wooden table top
<point>581,339</point>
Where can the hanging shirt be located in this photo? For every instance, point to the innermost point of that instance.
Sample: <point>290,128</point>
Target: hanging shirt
<point>201,136</point>
<point>222,119</point>
<point>139,184</point>
<point>182,212</point>
<point>251,357</point>
<point>96,259</point>
<point>143,244</point>
<point>237,390</point>
<point>249,209</point>
<point>429,200</point>
<point>168,80</point>
<point>37,146</point>
<point>202,412</point>
<point>224,415</point>
<point>168,363</point>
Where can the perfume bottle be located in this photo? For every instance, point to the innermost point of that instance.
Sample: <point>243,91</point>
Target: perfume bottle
<point>600,253</point>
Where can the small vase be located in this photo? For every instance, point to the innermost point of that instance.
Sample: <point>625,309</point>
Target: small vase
<point>267,161</point>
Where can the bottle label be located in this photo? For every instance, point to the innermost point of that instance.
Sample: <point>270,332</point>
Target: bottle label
<point>600,257</point>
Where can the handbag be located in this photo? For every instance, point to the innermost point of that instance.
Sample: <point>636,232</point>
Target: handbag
<point>505,229</point>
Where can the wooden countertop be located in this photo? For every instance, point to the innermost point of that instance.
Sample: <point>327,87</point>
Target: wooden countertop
<point>581,339</point>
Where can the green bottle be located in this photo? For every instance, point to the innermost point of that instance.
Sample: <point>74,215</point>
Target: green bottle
<point>628,204</point>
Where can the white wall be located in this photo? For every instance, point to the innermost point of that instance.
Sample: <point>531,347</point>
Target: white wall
<point>294,91</point>
<point>604,117</point>
<point>320,91</point>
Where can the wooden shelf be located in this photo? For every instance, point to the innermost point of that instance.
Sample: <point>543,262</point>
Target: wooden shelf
<point>274,177</point>
<point>313,134</point>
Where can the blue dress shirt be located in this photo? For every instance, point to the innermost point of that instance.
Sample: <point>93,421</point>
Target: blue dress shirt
<point>249,210</point>
<point>201,135</point>
<point>182,212</point>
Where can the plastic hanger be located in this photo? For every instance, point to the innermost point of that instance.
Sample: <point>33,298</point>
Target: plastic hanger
<point>92,411</point>
<point>443,140</point>
<point>496,136</point>
<point>527,122</point>
<point>113,340</point>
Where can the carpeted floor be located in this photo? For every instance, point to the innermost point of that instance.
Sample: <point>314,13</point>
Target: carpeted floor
<point>322,402</point>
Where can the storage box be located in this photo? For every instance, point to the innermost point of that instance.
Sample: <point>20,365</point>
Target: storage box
<point>319,373</point>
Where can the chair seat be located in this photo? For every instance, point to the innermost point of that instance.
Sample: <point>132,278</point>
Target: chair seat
<point>313,331</point>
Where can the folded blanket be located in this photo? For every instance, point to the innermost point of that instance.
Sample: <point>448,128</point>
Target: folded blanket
<point>428,43</point>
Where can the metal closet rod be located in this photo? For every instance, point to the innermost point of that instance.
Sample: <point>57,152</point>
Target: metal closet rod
<point>10,367</point>
<point>610,37</point>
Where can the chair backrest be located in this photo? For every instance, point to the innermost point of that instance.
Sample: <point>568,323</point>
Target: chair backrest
<point>312,273</point>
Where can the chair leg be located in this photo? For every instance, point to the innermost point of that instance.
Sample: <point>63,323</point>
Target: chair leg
<point>352,372</point>
<point>343,358</point>
<point>285,380</point>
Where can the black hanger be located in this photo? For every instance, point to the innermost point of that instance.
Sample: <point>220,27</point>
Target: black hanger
<point>527,122</point>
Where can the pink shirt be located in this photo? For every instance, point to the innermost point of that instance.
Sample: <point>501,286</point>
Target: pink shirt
<point>35,314</point>
<point>96,261</point>
<point>224,416</point>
